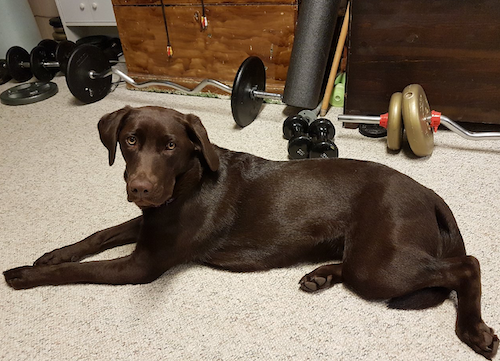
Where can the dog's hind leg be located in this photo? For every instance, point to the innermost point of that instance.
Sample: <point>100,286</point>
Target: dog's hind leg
<point>321,278</point>
<point>405,275</point>
<point>463,275</point>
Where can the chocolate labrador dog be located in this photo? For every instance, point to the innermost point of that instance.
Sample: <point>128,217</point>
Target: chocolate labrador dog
<point>396,239</point>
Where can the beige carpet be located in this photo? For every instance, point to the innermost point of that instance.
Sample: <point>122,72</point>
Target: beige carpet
<point>57,187</point>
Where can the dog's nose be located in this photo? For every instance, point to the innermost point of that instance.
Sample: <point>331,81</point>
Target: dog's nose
<point>140,187</point>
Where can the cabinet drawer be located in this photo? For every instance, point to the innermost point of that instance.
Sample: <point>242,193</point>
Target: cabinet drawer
<point>86,11</point>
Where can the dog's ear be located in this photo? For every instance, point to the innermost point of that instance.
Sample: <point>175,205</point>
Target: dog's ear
<point>207,149</point>
<point>109,126</point>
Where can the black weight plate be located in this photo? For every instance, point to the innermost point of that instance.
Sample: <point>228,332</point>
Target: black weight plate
<point>113,49</point>
<point>372,130</point>
<point>299,148</point>
<point>4,72</point>
<point>28,93</point>
<point>38,56</point>
<point>63,52</point>
<point>100,41</point>
<point>324,150</point>
<point>50,45</point>
<point>15,56</point>
<point>250,76</point>
<point>84,59</point>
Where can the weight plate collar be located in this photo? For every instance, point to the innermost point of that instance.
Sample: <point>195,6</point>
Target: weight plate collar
<point>28,93</point>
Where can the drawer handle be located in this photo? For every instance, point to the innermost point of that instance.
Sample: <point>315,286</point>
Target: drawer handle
<point>82,6</point>
<point>94,6</point>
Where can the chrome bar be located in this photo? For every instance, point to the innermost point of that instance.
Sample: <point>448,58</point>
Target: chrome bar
<point>181,88</point>
<point>464,133</point>
<point>50,64</point>
<point>94,75</point>
<point>363,119</point>
<point>266,95</point>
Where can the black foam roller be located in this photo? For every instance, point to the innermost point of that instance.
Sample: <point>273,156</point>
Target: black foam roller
<point>311,48</point>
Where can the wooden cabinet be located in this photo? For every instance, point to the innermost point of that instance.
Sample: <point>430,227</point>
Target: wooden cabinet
<point>236,29</point>
<point>451,48</point>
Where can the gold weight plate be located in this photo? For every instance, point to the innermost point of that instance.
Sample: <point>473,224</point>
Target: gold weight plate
<point>416,119</point>
<point>395,123</point>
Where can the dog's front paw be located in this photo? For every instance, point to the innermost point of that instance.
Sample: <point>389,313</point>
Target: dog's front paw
<point>481,339</point>
<point>57,256</point>
<point>19,278</point>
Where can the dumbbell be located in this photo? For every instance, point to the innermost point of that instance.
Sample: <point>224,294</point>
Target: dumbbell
<point>322,133</point>
<point>89,78</point>
<point>411,109</point>
<point>312,140</point>
<point>44,61</point>
<point>295,130</point>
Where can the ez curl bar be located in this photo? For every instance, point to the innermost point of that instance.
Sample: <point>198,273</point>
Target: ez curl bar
<point>409,113</point>
<point>89,78</point>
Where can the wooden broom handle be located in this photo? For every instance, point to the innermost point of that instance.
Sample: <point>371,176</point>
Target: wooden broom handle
<point>335,64</point>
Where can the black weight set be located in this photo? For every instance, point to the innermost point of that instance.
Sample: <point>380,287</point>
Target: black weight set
<point>44,61</point>
<point>49,57</point>
<point>309,139</point>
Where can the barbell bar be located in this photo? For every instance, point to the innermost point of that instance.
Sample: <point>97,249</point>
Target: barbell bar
<point>89,78</point>
<point>410,110</point>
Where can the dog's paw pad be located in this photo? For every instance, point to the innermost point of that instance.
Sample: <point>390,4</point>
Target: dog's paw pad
<point>310,283</point>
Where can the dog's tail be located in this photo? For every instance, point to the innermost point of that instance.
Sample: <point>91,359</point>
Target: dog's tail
<point>451,244</point>
<point>421,299</point>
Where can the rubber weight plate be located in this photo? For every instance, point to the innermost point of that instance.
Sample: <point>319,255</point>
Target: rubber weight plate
<point>50,45</point>
<point>63,52</point>
<point>38,56</point>
<point>250,76</point>
<point>15,57</point>
<point>4,72</point>
<point>416,119</point>
<point>87,58</point>
<point>372,130</point>
<point>395,123</point>
<point>28,93</point>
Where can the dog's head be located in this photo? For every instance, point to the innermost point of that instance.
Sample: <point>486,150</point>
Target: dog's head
<point>160,146</point>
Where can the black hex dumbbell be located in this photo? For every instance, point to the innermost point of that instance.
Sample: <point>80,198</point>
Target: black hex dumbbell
<point>295,130</point>
<point>322,133</point>
<point>309,140</point>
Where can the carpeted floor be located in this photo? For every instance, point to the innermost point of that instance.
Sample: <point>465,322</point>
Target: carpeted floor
<point>57,188</point>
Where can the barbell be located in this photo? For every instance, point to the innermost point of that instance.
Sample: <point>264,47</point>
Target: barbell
<point>89,78</point>
<point>409,112</point>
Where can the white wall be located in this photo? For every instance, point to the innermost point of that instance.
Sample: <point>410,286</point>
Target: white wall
<point>17,26</point>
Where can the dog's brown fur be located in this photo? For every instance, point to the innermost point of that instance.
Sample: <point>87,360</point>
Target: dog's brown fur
<point>396,239</point>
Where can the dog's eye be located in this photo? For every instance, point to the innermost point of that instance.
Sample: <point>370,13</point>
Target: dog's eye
<point>170,146</point>
<point>131,140</point>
